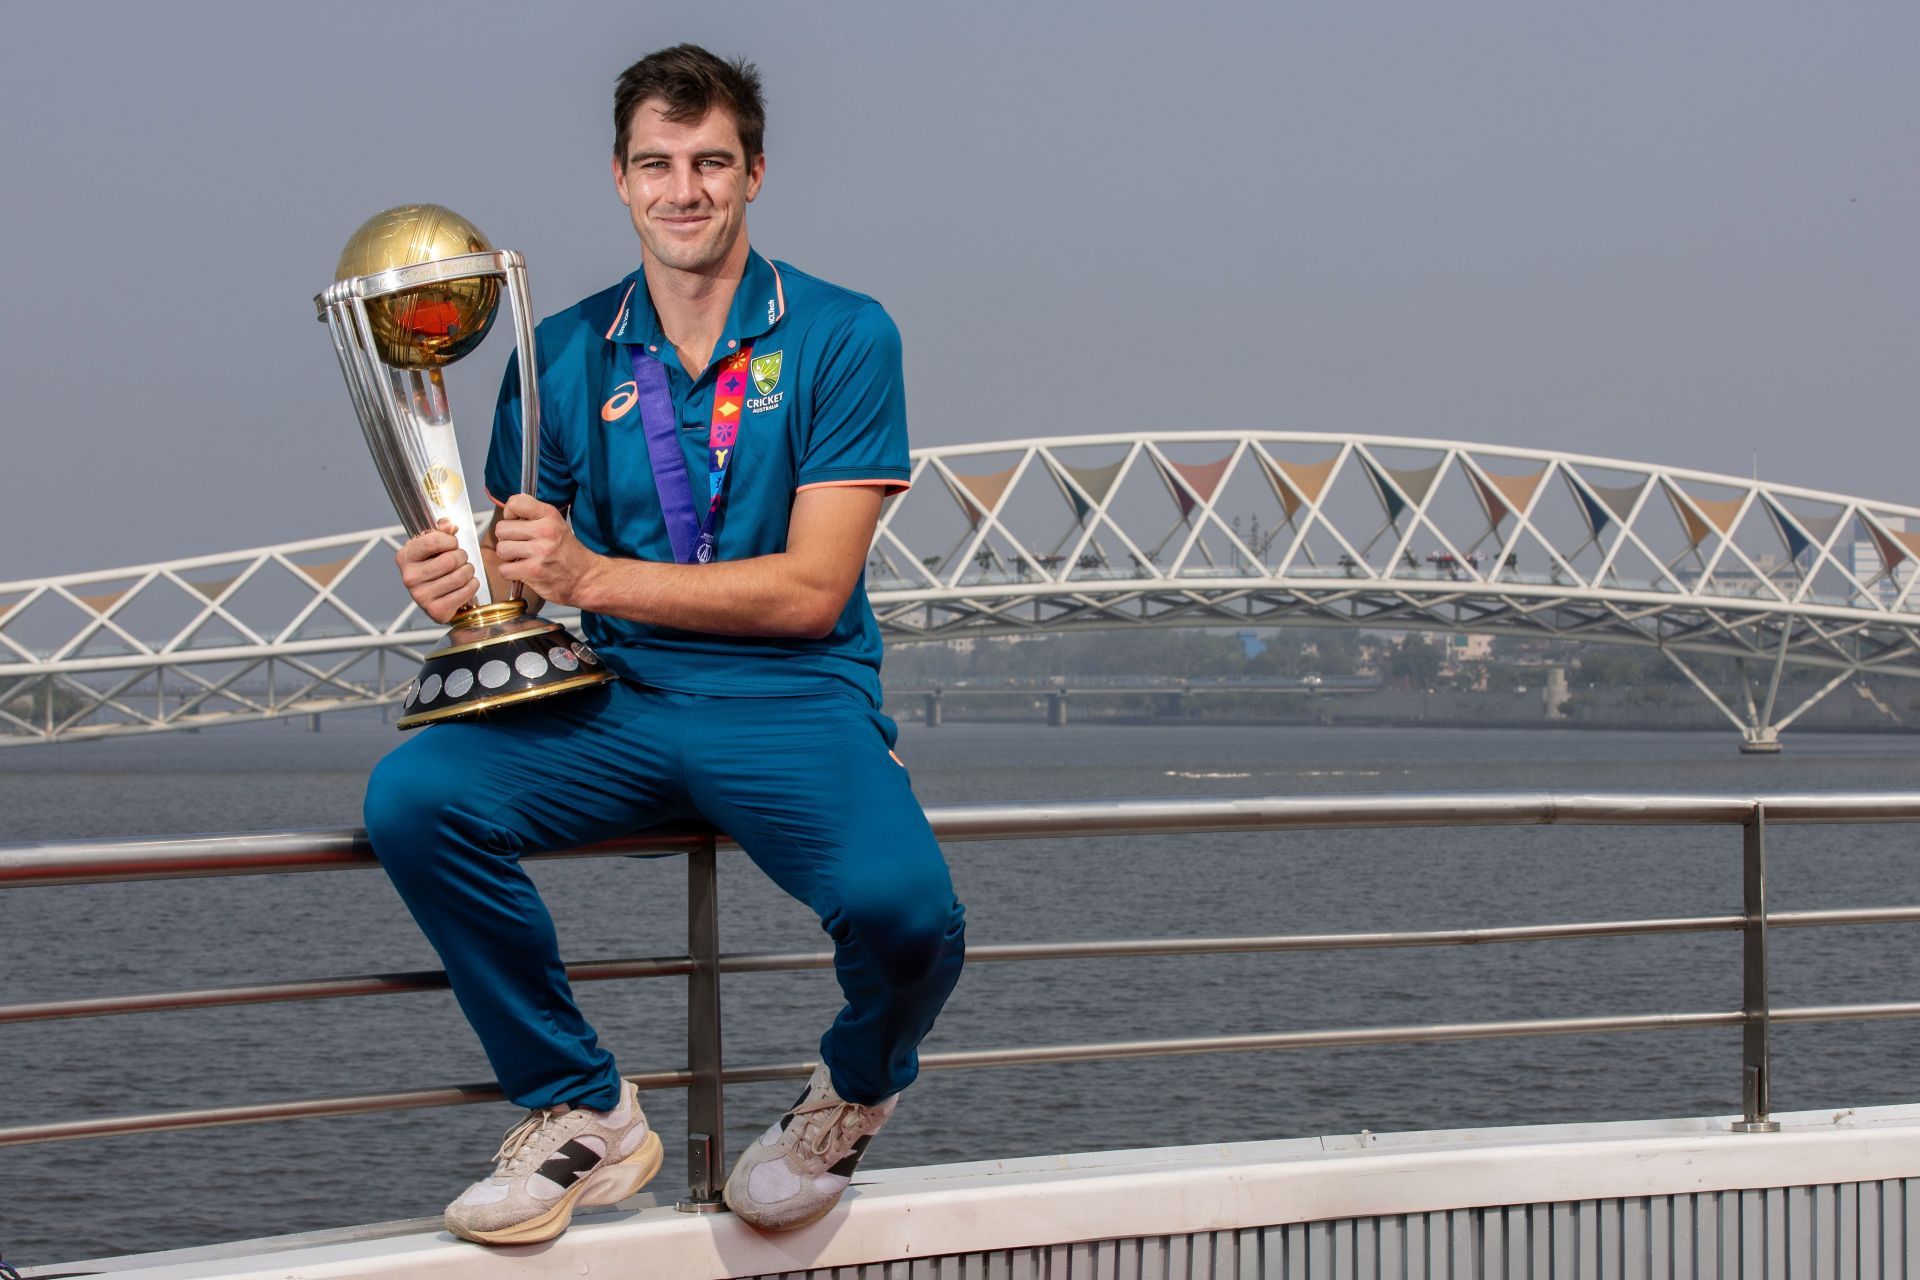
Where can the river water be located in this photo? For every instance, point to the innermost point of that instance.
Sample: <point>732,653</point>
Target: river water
<point>75,1200</point>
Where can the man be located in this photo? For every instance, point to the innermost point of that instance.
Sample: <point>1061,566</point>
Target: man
<point>748,660</point>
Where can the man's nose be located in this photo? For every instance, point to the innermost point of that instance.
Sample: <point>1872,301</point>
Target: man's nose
<point>686,185</point>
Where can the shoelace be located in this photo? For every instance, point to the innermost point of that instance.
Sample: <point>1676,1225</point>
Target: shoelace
<point>824,1119</point>
<point>521,1140</point>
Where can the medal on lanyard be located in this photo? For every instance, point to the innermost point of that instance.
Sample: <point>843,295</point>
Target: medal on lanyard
<point>690,532</point>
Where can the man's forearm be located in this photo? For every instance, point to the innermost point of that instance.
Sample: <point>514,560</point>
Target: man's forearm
<point>763,596</point>
<point>797,593</point>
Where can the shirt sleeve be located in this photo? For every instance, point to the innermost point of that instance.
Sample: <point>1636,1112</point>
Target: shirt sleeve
<point>556,482</point>
<point>859,420</point>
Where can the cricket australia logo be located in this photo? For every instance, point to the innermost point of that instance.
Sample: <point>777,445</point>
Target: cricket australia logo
<point>766,380</point>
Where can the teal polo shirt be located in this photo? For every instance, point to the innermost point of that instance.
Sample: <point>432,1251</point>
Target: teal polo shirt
<point>825,404</point>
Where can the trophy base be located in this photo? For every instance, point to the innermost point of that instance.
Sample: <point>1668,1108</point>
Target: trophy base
<point>495,656</point>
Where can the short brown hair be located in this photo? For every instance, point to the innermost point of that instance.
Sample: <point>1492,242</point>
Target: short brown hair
<point>691,82</point>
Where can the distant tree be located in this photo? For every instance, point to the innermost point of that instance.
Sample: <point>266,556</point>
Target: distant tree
<point>1607,667</point>
<point>1620,667</point>
<point>1415,662</point>
<point>1339,650</point>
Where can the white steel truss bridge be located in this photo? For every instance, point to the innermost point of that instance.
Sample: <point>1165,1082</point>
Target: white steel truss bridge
<point>1203,529</point>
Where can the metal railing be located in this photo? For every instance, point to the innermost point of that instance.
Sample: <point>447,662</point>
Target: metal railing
<point>706,1074</point>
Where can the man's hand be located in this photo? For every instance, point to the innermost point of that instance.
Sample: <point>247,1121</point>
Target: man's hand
<point>534,544</point>
<point>437,573</point>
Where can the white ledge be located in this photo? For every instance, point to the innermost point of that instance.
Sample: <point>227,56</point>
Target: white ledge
<point>1025,1203</point>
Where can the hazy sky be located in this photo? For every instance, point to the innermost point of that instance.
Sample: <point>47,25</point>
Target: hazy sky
<point>1673,233</point>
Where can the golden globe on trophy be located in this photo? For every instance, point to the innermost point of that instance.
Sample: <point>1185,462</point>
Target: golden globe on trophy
<point>416,289</point>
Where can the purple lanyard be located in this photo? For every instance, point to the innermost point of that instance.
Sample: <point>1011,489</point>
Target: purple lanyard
<point>691,534</point>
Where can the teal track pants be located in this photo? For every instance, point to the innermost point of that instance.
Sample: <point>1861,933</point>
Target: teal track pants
<point>808,786</point>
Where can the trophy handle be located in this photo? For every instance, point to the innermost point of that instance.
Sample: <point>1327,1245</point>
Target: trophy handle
<point>520,302</point>
<point>364,389</point>
<point>408,427</point>
<point>434,452</point>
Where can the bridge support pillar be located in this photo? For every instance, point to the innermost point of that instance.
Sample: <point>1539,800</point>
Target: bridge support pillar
<point>1761,726</point>
<point>1056,710</point>
<point>930,716</point>
<point>1556,692</point>
<point>313,723</point>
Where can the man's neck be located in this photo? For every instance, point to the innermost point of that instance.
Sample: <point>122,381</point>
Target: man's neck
<point>693,306</point>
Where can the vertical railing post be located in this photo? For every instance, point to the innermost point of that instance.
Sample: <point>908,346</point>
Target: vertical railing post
<point>706,1097</point>
<point>1756,1055</point>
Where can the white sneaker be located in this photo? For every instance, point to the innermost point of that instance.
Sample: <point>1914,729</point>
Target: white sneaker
<point>550,1165</point>
<point>796,1171</point>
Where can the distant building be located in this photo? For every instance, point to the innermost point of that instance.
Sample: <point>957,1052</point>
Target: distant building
<point>1470,648</point>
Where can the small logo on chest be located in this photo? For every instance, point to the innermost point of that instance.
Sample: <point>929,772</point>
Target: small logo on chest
<point>766,380</point>
<point>619,402</point>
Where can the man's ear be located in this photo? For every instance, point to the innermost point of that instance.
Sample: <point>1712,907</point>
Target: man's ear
<point>620,180</point>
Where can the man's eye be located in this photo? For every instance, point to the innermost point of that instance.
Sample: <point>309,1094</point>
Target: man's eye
<point>712,162</point>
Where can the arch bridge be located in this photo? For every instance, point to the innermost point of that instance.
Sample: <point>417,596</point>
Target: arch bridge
<point>1203,529</point>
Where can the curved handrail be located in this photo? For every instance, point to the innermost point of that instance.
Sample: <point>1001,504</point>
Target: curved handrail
<point>112,861</point>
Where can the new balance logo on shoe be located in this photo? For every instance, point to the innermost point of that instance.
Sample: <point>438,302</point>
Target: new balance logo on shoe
<point>846,1167</point>
<point>569,1164</point>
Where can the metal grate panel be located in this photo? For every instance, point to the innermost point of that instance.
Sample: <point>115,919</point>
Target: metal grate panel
<point>1826,1232</point>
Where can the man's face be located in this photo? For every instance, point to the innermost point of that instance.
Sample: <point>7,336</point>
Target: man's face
<point>687,186</point>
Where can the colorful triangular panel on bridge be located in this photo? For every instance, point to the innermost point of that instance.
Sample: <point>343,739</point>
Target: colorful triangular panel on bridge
<point>1597,514</point>
<point>1297,484</point>
<point>215,589</point>
<point>1792,531</point>
<point>323,575</point>
<point>978,495</point>
<point>1095,483</point>
<point>1388,494</point>
<point>1722,513</point>
<point>102,603</point>
<point>1492,501</point>
<point>1896,546</point>
<point>1415,482</point>
<point>1400,487</point>
<point>1519,489</point>
<point>1819,528</point>
<point>1201,478</point>
<point>1695,524</point>
<point>1501,496</point>
<point>1605,503</point>
<point>1702,516</point>
<point>1620,497</point>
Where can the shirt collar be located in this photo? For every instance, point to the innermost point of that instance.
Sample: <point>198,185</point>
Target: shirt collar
<point>758,304</point>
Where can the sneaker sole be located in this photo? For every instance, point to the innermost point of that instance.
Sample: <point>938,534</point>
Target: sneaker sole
<point>812,1216</point>
<point>609,1184</point>
<point>755,1215</point>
